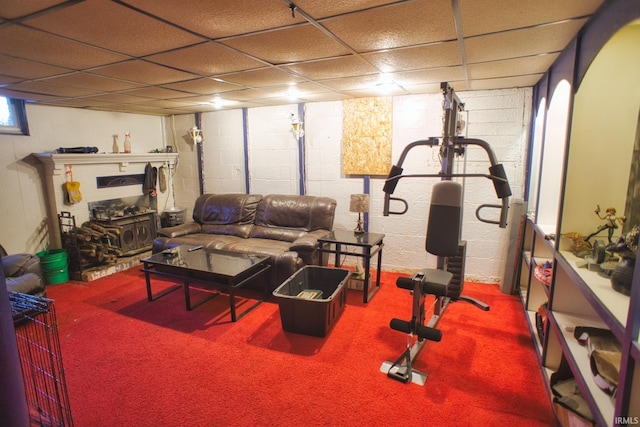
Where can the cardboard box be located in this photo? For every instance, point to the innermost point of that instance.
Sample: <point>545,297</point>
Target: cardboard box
<point>356,283</point>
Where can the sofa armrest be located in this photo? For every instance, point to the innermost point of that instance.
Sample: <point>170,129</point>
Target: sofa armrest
<point>308,242</point>
<point>180,230</point>
<point>16,265</point>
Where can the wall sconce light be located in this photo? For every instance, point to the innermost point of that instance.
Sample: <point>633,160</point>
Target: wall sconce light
<point>359,203</point>
<point>296,126</point>
<point>195,134</point>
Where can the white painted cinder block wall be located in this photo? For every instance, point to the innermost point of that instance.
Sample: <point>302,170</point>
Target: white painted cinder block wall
<point>499,117</point>
<point>24,224</point>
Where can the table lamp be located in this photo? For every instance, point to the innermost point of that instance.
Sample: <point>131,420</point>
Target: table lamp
<point>359,203</point>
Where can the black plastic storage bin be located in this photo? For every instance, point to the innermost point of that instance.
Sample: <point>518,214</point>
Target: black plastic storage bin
<point>312,299</point>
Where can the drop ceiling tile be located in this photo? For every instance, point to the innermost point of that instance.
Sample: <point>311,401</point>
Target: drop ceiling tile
<point>306,88</point>
<point>26,43</point>
<point>163,103</point>
<point>480,17</point>
<point>6,80</point>
<point>203,86</point>
<point>207,103</point>
<point>352,83</point>
<point>406,24</point>
<point>284,93</point>
<point>79,103</point>
<point>117,98</point>
<point>221,18</point>
<point>91,81</point>
<point>427,56</point>
<point>259,78</point>
<point>301,43</point>
<point>244,95</point>
<point>512,67</point>
<point>322,9</point>
<point>199,99</point>
<point>377,92</point>
<point>131,108</point>
<point>155,92</point>
<point>112,26</point>
<point>35,97</point>
<point>12,9</point>
<point>223,59</point>
<point>143,72</point>
<point>423,88</point>
<point>436,75</point>
<point>344,66</point>
<point>26,70</point>
<point>519,43</point>
<point>506,82</point>
<point>50,89</point>
<point>327,96</point>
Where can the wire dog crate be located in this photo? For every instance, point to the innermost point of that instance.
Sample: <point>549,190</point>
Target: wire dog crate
<point>36,328</point>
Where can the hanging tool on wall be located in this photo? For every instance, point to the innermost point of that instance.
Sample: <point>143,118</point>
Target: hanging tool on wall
<point>71,187</point>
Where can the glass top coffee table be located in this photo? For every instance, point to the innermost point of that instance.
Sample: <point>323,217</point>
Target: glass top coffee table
<point>224,270</point>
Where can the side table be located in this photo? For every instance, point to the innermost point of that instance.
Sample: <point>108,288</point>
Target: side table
<point>371,244</point>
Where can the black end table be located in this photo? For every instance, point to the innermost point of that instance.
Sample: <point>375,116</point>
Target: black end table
<point>371,244</point>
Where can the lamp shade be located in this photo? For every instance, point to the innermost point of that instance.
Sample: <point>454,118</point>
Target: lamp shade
<point>359,203</point>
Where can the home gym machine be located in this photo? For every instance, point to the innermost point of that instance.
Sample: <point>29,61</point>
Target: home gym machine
<point>445,282</point>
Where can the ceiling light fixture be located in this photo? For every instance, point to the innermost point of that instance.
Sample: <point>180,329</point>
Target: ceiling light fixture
<point>292,93</point>
<point>218,102</point>
<point>385,84</point>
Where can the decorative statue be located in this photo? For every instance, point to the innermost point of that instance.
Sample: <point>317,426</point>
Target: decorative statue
<point>611,222</point>
<point>627,248</point>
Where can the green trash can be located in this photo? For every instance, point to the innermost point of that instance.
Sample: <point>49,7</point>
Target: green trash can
<point>54,264</point>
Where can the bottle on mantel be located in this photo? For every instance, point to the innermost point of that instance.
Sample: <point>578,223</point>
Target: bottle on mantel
<point>115,148</point>
<point>127,142</point>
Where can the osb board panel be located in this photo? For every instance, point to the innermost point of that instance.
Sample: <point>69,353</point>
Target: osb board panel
<point>366,136</point>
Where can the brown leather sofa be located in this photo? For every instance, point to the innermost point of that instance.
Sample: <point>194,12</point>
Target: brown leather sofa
<point>285,227</point>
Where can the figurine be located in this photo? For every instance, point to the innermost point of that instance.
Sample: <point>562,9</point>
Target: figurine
<point>627,248</point>
<point>611,222</point>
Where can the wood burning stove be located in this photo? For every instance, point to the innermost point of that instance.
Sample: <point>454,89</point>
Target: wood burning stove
<point>136,231</point>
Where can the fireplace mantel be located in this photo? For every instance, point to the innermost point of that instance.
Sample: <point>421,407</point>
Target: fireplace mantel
<point>57,162</point>
<point>86,169</point>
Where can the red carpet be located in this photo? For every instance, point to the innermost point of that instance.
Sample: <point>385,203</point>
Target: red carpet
<point>130,362</point>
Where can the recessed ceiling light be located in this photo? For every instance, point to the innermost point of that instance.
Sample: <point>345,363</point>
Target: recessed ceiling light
<point>218,102</point>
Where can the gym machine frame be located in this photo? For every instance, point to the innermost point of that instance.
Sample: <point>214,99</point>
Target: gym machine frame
<point>436,281</point>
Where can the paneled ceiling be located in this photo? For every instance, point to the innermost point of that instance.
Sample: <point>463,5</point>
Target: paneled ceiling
<point>182,56</point>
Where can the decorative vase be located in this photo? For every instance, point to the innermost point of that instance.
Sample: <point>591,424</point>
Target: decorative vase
<point>622,276</point>
<point>127,142</point>
<point>115,148</point>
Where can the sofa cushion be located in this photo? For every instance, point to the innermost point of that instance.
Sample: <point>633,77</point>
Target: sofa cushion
<point>289,217</point>
<point>29,283</point>
<point>231,214</point>
<point>242,230</point>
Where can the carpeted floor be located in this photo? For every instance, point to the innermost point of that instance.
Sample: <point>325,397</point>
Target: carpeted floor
<point>130,362</point>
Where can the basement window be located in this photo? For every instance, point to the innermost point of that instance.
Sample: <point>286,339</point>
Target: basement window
<point>13,118</point>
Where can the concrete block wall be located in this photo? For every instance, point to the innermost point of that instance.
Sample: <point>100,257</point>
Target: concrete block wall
<point>499,117</point>
<point>24,222</point>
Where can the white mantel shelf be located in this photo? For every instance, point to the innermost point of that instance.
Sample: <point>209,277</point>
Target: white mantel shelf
<point>58,161</point>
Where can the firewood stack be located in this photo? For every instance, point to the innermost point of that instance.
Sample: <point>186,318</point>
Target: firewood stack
<point>96,244</point>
